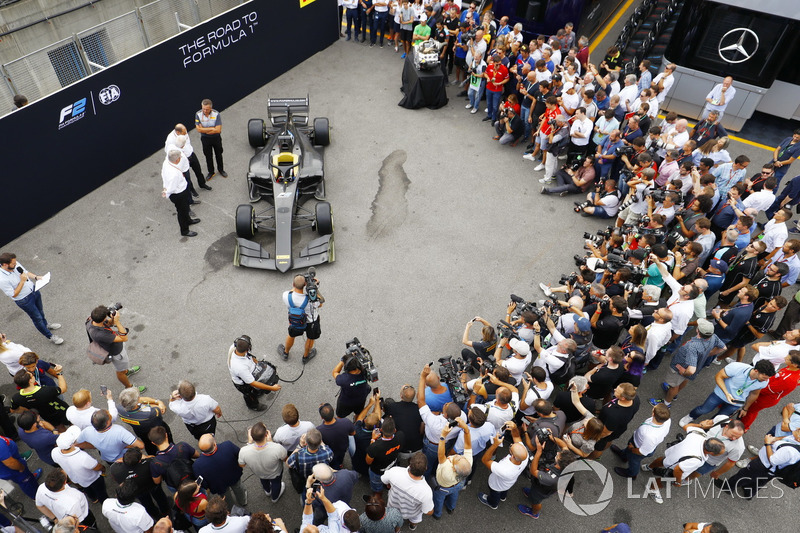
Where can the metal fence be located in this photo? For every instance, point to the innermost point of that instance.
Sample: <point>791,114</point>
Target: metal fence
<point>59,64</point>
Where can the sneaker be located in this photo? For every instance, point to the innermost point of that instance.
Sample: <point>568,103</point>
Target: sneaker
<point>283,488</point>
<point>527,511</point>
<point>53,326</point>
<point>372,45</point>
<point>539,167</point>
<point>282,352</point>
<point>132,370</point>
<point>729,360</point>
<point>685,420</point>
<point>26,455</point>
<point>381,45</point>
<point>752,449</point>
<point>657,497</point>
<point>563,193</point>
<point>716,362</point>
<point>529,157</point>
<point>55,339</point>
<point>223,173</point>
<point>544,190</point>
<point>311,355</point>
<point>646,467</point>
<point>212,174</point>
<point>742,463</point>
<point>546,290</point>
<point>655,401</point>
<point>403,57</point>
<point>475,110</point>
<point>468,106</point>
<point>481,498</point>
<point>412,526</point>
<point>665,386</point>
<point>544,179</point>
<point>142,389</point>
<point>37,473</point>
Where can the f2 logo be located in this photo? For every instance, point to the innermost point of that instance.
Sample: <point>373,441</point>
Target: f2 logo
<point>73,110</point>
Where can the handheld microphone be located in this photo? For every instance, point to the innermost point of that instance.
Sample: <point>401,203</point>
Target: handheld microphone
<point>19,269</point>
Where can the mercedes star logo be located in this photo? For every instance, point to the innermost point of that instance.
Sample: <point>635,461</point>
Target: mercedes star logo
<point>738,45</point>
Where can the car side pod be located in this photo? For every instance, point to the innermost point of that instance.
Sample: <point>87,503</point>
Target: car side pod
<point>252,255</point>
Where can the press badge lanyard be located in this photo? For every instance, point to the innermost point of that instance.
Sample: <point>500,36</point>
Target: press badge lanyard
<point>741,390</point>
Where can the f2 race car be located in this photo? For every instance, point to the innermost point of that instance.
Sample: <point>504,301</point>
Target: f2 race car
<point>287,171</point>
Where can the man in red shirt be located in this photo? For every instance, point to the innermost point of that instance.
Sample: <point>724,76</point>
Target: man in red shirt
<point>778,386</point>
<point>541,137</point>
<point>583,52</point>
<point>496,77</point>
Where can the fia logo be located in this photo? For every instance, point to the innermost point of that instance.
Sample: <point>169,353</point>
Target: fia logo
<point>109,94</point>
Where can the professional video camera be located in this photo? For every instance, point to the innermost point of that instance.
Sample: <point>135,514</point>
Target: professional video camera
<point>364,358</point>
<point>449,370</point>
<point>506,330</point>
<point>625,149</point>
<point>658,195</point>
<point>468,35</point>
<point>312,290</point>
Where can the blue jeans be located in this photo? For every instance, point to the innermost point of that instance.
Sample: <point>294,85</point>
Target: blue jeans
<point>378,24</point>
<point>524,111</point>
<point>475,95</point>
<point>375,482</point>
<point>446,496</point>
<point>493,100</point>
<point>272,486</point>
<point>431,452</point>
<point>494,497</point>
<point>634,460</point>
<point>32,304</point>
<point>712,402</point>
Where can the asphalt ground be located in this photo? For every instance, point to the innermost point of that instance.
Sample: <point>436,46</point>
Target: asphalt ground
<point>435,223</point>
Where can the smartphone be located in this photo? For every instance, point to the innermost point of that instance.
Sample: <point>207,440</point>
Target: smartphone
<point>199,480</point>
<point>316,486</point>
<point>375,391</point>
<point>103,390</point>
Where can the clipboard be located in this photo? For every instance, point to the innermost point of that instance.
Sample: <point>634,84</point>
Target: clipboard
<point>42,282</point>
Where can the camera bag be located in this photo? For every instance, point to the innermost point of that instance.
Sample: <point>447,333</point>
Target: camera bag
<point>297,314</point>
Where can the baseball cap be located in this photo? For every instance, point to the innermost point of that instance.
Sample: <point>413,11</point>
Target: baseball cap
<point>568,85</point>
<point>68,438</point>
<point>639,254</point>
<point>520,346</point>
<point>704,326</point>
<point>583,324</point>
<point>720,265</point>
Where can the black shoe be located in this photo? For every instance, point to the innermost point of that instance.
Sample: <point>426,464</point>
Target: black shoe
<point>486,119</point>
<point>190,234</point>
<point>195,195</point>
<point>194,221</point>
<point>196,200</point>
<point>258,407</point>
<point>282,352</point>
<point>462,93</point>
<point>223,173</point>
<point>210,175</point>
<point>722,484</point>
<point>191,214</point>
<point>449,511</point>
<point>206,187</point>
<point>619,452</point>
<point>530,147</point>
<point>348,38</point>
<point>623,472</point>
<point>311,355</point>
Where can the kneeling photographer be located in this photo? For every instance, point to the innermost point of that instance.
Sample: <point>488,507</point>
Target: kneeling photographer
<point>247,371</point>
<point>353,382</point>
<point>573,179</point>
<point>484,348</point>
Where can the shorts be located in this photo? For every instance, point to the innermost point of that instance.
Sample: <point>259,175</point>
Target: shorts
<point>460,62</point>
<point>120,361</point>
<point>674,379</point>
<point>312,331</point>
<point>706,468</point>
<point>405,35</point>
<point>543,141</point>
<point>536,495</point>
<point>599,212</point>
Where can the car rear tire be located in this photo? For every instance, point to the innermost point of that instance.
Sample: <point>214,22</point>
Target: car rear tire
<point>245,221</point>
<point>255,133</point>
<point>323,218</point>
<point>322,131</point>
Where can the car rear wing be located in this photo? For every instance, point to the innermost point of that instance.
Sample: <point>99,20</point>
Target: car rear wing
<point>285,106</point>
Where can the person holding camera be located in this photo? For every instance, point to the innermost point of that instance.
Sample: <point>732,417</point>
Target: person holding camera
<point>303,318</point>
<point>241,365</point>
<point>104,328</point>
<point>451,472</point>
<point>483,348</point>
<point>496,77</point>
<point>608,321</point>
<point>603,203</point>
<point>509,127</point>
<point>570,180</point>
<point>544,478</point>
<point>504,473</point>
<point>520,357</point>
<point>434,422</point>
<point>616,415</point>
<point>353,386</point>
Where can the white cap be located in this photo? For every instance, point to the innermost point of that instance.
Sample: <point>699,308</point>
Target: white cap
<point>520,346</point>
<point>68,438</point>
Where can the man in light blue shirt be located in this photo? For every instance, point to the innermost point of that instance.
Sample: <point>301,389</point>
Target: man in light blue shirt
<point>19,284</point>
<point>728,174</point>
<point>737,387</point>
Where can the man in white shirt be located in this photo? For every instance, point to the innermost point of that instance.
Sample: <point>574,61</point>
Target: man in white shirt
<point>775,231</point>
<point>763,199</point>
<point>628,94</point>
<point>503,408</point>
<point>730,432</point>
<point>176,137</point>
<point>408,491</point>
<point>519,359</point>
<point>504,473</point>
<point>241,364</point>
<point>776,351</point>
<point>553,358</point>
<point>288,435</point>
<point>434,423</point>
<point>664,81</point>
<point>719,97</point>
<point>82,468</point>
<point>681,460</point>
<point>199,412</point>
<point>55,499</point>
<point>217,516</point>
<point>177,190</point>
<point>581,130</point>
<point>18,283</point>
<point>81,411</point>
<point>124,513</point>
<point>644,441</point>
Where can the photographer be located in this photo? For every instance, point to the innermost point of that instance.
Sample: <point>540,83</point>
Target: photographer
<point>686,266</point>
<point>603,203</point>
<point>639,187</point>
<point>241,365</point>
<point>553,358</point>
<point>641,311</point>
<point>608,321</point>
<point>519,359</point>
<point>485,386</point>
<point>607,152</point>
<point>571,181</point>
<point>615,282</point>
<point>689,217</point>
<point>509,127</point>
<point>557,140</point>
<point>483,348</point>
<point>434,422</point>
<point>303,318</point>
<point>104,328</point>
<point>581,331</point>
<point>353,386</point>
<point>665,208</point>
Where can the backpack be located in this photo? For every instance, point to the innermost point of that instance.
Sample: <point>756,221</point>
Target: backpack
<point>177,472</point>
<point>96,353</point>
<point>563,374</point>
<point>297,315</point>
<point>789,475</point>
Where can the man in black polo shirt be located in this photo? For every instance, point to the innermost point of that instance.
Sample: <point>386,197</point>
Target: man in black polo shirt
<point>142,414</point>
<point>382,453</point>
<point>607,322</point>
<point>407,420</point>
<point>181,454</point>
<point>132,467</point>
<point>44,399</point>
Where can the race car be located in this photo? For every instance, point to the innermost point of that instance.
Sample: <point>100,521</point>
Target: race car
<point>287,171</point>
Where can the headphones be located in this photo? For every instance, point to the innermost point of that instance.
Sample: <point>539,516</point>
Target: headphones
<point>245,338</point>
